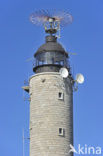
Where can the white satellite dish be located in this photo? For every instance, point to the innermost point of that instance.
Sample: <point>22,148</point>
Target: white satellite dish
<point>79,78</point>
<point>64,72</point>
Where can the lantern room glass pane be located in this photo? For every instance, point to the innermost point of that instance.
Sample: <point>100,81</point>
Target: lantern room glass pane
<point>51,58</point>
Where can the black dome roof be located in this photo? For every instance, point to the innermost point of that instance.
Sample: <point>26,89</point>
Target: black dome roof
<point>51,45</point>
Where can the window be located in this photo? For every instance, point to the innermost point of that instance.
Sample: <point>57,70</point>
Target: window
<point>62,62</point>
<point>40,63</point>
<point>60,95</point>
<point>61,131</point>
<point>52,60</point>
<point>57,62</point>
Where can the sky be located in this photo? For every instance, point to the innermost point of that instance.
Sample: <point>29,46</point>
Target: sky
<point>19,40</point>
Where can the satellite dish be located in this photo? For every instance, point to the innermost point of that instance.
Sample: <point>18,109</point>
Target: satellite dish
<point>79,78</point>
<point>64,72</point>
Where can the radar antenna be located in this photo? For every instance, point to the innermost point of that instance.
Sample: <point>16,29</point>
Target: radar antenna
<point>52,21</point>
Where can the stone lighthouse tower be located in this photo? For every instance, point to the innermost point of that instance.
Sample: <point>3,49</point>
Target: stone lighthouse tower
<point>51,98</point>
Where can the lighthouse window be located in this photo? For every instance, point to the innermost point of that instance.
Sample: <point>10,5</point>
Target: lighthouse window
<point>56,62</point>
<point>56,58</point>
<point>61,131</point>
<point>60,95</point>
<point>62,63</point>
<point>52,60</point>
<point>40,62</point>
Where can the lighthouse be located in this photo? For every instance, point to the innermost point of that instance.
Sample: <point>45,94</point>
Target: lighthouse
<point>51,95</point>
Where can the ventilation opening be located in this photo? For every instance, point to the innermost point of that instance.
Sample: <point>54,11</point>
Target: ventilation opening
<point>61,131</point>
<point>61,95</point>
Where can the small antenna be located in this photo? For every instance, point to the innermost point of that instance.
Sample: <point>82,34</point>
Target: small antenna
<point>70,53</point>
<point>30,59</point>
<point>52,21</point>
<point>73,72</point>
<point>23,143</point>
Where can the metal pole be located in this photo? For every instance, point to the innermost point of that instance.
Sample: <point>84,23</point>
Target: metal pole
<point>23,144</point>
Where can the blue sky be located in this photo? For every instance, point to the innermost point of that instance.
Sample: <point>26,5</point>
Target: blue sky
<point>19,40</point>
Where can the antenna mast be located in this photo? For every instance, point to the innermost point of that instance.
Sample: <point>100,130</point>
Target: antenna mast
<point>23,144</point>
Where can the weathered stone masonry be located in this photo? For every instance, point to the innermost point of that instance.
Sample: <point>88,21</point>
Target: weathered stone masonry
<point>51,114</point>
